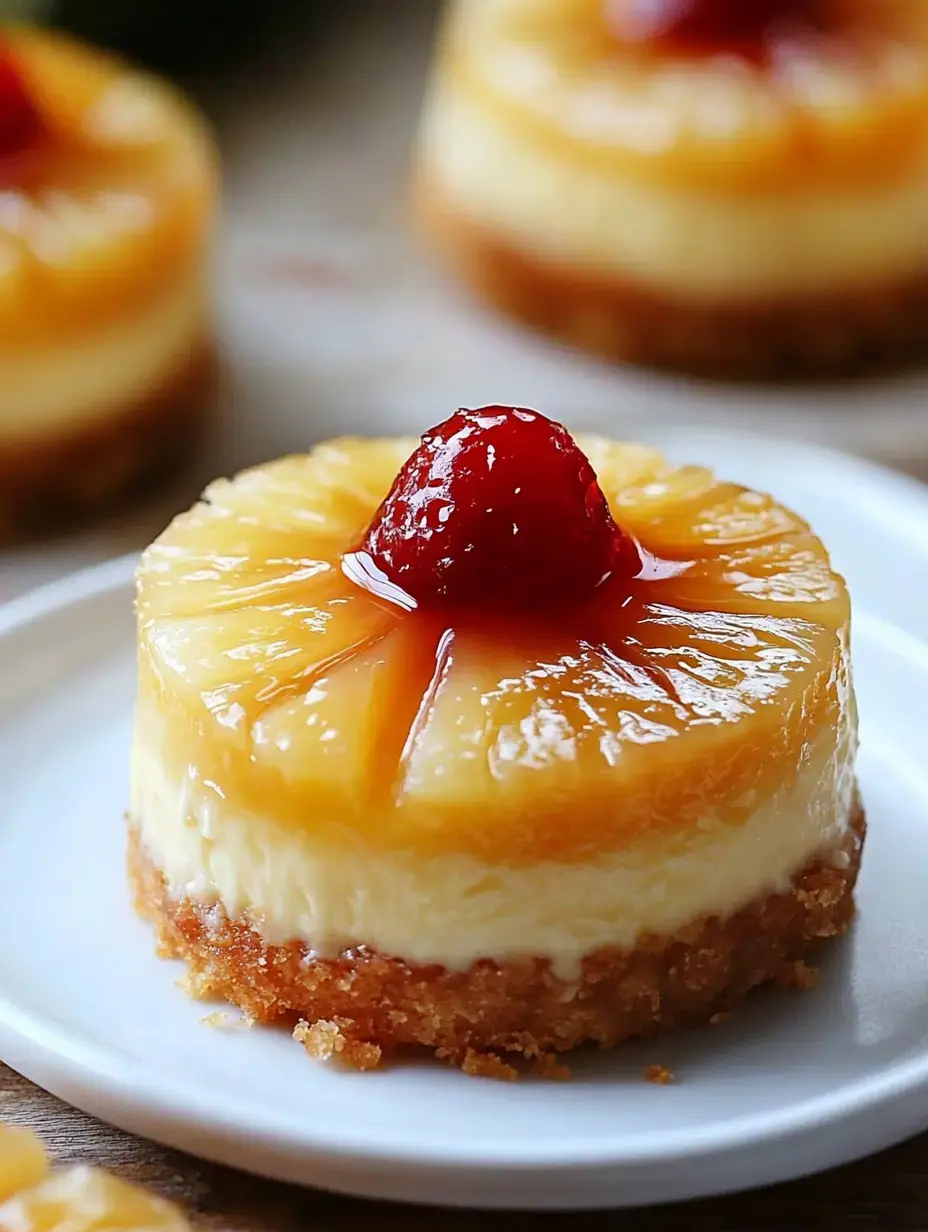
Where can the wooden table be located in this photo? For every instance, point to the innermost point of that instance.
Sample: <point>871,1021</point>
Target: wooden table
<point>888,1193</point>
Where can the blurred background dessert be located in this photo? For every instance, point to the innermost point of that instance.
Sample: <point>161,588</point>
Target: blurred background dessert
<point>332,311</point>
<point>731,187</point>
<point>107,187</point>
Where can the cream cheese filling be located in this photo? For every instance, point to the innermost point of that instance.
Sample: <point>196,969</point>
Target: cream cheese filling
<point>89,379</point>
<point>456,909</point>
<point>693,245</point>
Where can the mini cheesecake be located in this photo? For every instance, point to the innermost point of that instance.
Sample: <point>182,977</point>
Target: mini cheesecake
<point>548,742</point>
<point>107,187</point>
<point>728,187</point>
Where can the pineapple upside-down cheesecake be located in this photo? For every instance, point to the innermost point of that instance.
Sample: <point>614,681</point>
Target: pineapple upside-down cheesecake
<point>498,742</point>
<point>731,187</point>
<point>107,185</point>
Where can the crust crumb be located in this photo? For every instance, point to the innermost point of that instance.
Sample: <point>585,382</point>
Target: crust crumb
<point>717,1019</point>
<point>478,1064</point>
<point>224,1020</point>
<point>660,1075</point>
<point>798,975</point>
<point>198,985</point>
<point>487,1065</point>
<point>326,1041</point>
<point>549,1067</point>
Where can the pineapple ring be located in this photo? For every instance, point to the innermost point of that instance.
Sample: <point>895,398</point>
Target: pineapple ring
<point>111,206</point>
<point>297,694</point>
<point>285,684</point>
<point>847,109</point>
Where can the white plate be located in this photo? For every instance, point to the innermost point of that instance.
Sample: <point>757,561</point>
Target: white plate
<point>793,1084</point>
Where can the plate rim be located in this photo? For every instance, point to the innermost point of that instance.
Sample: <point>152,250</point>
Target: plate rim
<point>117,1082</point>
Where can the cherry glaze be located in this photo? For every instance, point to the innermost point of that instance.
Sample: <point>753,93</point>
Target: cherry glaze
<point>20,123</point>
<point>498,508</point>
<point>711,25</point>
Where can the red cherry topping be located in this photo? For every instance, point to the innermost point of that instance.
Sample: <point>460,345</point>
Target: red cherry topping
<point>709,24</point>
<point>20,124</point>
<point>497,507</point>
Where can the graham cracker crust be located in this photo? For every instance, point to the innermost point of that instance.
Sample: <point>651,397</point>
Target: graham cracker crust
<point>362,1004</point>
<point>50,483</point>
<point>847,332</point>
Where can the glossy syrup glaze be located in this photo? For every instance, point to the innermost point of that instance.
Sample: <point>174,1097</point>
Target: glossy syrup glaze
<point>276,685</point>
<point>747,27</point>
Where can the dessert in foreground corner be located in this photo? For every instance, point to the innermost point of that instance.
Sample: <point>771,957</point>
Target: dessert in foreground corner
<point>729,187</point>
<point>497,743</point>
<point>107,183</point>
<point>34,1199</point>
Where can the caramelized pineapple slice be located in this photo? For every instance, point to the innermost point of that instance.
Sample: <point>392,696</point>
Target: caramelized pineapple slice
<point>272,533</point>
<point>79,1200</point>
<point>792,574</point>
<point>690,695</point>
<point>342,740</point>
<point>86,1200</point>
<point>22,1160</point>
<point>844,107</point>
<point>684,710</point>
<point>114,199</point>
<point>689,513</point>
<point>234,665</point>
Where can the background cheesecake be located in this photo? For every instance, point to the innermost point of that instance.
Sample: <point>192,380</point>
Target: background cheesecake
<point>107,188</point>
<point>725,188</point>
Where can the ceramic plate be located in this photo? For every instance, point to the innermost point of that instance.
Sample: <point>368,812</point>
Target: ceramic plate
<point>794,1083</point>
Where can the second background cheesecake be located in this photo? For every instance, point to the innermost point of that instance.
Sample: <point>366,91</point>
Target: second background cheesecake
<point>720,188</point>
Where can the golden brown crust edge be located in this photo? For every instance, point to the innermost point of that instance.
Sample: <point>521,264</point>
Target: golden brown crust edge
<point>48,484</point>
<point>513,1007</point>
<point>842,333</point>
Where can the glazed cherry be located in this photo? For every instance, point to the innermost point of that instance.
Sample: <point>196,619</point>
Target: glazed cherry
<point>20,124</point>
<point>498,507</point>
<point>709,24</point>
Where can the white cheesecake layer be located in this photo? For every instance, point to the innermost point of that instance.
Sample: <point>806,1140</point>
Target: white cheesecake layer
<point>50,389</point>
<point>690,244</point>
<point>455,909</point>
